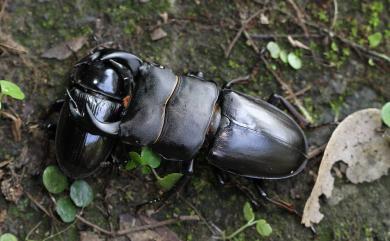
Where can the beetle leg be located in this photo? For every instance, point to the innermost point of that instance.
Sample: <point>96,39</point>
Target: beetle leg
<point>279,203</point>
<point>174,191</point>
<point>276,99</point>
<point>50,125</point>
<point>221,176</point>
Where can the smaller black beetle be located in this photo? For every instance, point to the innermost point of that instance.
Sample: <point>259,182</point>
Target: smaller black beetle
<point>115,97</point>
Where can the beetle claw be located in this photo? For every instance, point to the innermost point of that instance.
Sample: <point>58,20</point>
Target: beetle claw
<point>105,127</point>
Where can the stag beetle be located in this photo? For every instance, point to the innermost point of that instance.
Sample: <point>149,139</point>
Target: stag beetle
<point>115,97</point>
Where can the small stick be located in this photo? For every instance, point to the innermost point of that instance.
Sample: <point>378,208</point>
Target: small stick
<point>317,151</point>
<point>209,226</point>
<point>298,93</point>
<point>243,26</point>
<point>334,14</point>
<point>83,220</point>
<point>43,209</point>
<point>288,89</point>
<point>158,224</point>
<point>273,36</point>
<point>301,17</point>
<point>138,228</point>
<point>342,39</point>
<point>3,8</point>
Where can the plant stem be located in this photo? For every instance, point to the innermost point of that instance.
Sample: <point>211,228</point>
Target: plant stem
<point>1,98</point>
<point>155,174</point>
<point>242,228</point>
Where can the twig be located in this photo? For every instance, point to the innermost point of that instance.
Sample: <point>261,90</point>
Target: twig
<point>83,220</point>
<point>3,8</point>
<point>43,209</point>
<point>315,152</point>
<point>27,238</point>
<point>209,226</point>
<point>342,39</point>
<point>334,14</point>
<point>158,224</point>
<point>243,26</point>
<point>298,93</point>
<point>289,90</point>
<point>300,17</point>
<point>138,228</point>
<point>273,36</point>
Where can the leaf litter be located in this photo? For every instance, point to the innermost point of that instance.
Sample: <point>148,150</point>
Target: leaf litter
<point>359,143</point>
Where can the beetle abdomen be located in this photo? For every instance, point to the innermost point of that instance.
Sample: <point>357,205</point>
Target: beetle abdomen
<point>257,140</point>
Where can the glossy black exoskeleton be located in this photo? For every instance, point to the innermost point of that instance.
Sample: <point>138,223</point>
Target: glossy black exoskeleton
<point>176,116</point>
<point>101,86</point>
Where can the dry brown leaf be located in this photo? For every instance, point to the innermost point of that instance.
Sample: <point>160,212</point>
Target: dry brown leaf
<point>65,49</point>
<point>16,125</point>
<point>264,19</point>
<point>164,17</point>
<point>358,143</point>
<point>12,190</point>
<point>158,234</point>
<point>157,34</point>
<point>7,42</point>
<point>3,215</point>
<point>297,43</point>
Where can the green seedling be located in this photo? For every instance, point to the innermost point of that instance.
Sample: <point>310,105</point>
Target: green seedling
<point>148,161</point>
<point>385,114</point>
<point>262,227</point>
<point>8,237</point>
<point>81,193</point>
<point>8,88</point>
<point>277,52</point>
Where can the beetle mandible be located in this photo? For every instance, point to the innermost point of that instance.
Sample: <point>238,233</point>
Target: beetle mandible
<point>114,97</point>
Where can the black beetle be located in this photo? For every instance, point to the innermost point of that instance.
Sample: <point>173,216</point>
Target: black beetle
<point>176,116</point>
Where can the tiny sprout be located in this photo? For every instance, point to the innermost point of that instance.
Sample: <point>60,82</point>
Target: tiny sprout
<point>10,89</point>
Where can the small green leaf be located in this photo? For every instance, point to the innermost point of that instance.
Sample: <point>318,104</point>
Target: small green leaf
<point>374,39</point>
<point>273,49</point>
<point>283,56</point>
<point>146,170</point>
<point>11,89</point>
<point>334,47</point>
<point>385,113</point>
<point>248,212</point>
<point>135,161</point>
<point>150,158</point>
<point>294,61</point>
<point>54,180</point>
<point>263,228</point>
<point>81,193</point>
<point>66,209</point>
<point>8,237</point>
<point>371,62</point>
<point>167,182</point>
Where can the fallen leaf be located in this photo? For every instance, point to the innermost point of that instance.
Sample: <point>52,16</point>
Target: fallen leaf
<point>65,49</point>
<point>164,17</point>
<point>297,43</point>
<point>7,42</point>
<point>159,234</point>
<point>157,34</point>
<point>11,190</point>
<point>264,19</point>
<point>358,143</point>
<point>3,215</point>
<point>89,236</point>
